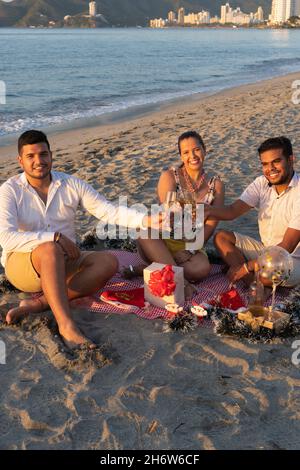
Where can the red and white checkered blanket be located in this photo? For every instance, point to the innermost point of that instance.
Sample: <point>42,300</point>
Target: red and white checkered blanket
<point>216,283</point>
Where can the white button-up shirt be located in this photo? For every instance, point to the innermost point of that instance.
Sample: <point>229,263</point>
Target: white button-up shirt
<point>26,222</point>
<point>276,212</point>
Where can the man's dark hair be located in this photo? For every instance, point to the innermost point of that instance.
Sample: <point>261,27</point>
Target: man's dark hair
<point>32,137</point>
<point>277,143</point>
<point>188,135</point>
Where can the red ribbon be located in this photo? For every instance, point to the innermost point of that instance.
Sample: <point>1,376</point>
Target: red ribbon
<point>161,282</point>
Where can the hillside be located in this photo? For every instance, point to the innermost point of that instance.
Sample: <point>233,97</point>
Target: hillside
<point>117,12</point>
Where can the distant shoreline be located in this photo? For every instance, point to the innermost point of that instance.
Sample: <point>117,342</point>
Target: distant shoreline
<point>203,26</point>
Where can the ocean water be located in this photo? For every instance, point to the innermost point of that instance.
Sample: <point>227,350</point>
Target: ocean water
<point>56,77</point>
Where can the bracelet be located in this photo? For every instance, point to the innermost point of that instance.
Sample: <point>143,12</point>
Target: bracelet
<point>57,236</point>
<point>246,268</point>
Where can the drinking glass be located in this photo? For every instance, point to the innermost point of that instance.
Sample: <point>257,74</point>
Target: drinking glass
<point>171,199</point>
<point>170,206</point>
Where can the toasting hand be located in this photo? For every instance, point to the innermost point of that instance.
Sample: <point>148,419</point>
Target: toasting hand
<point>157,221</point>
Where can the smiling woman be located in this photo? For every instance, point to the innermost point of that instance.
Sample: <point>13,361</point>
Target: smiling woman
<point>189,183</point>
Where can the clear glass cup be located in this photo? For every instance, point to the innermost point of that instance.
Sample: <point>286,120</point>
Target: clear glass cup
<point>171,198</point>
<point>170,207</point>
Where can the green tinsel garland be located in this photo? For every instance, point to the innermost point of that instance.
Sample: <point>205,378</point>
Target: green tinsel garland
<point>227,323</point>
<point>183,321</point>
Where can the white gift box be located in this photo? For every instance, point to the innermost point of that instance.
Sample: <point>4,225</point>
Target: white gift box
<point>178,295</point>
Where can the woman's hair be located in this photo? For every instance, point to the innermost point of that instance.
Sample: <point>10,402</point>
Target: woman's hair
<point>188,135</point>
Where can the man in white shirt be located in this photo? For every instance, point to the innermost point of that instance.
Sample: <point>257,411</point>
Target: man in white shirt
<point>276,195</point>
<point>37,235</point>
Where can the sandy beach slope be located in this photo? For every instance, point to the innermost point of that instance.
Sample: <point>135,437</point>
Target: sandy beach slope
<point>147,389</point>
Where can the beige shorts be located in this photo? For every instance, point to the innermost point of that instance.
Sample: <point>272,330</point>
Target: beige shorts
<point>20,272</point>
<point>252,248</point>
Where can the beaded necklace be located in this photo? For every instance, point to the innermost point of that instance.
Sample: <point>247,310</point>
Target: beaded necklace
<point>191,185</point>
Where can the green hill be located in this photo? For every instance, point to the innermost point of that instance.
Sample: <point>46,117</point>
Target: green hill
<point>117,12</point>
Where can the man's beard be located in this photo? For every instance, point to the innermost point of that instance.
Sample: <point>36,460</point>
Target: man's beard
<point>283,180</point>
<point>42,177</point>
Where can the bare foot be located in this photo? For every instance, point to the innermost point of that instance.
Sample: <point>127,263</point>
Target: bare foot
<point>73,338</point>
<point>26,307</point>
<point>189,291</point>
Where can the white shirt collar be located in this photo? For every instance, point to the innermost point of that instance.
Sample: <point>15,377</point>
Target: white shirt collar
<point>294,181</point>
<point>292,184</point>
<point>56,177</point>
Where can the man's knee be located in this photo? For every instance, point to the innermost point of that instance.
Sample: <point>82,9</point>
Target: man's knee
<point>45,252</point>
<point>47,246</point>
<point>50,249</point>
<point>224,237</point>
<point>105,262</point>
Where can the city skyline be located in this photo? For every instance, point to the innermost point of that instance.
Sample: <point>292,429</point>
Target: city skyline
<point>228,15</point>
<point>138,12</point>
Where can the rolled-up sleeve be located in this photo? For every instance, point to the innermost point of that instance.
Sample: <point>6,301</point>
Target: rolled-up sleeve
<point>295,217</point>
<point>105,211</point>
<point>11,239</point>
<point>251,195</point>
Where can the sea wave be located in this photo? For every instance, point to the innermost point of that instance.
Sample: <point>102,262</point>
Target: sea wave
<point>40,120</point>
<point>68,76</point>
<point>271,64</point>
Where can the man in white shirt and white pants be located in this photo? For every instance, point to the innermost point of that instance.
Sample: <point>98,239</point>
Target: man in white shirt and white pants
<point>37,235</point>
<point>276,195</point>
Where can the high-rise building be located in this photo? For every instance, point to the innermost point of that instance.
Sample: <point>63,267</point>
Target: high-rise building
<point>171,17</point>
<point>204,17</point>
<point>191,18</point>
<point>292,8</point>
<point>157,23</point>
<point>282,10</point>
<point>181,13</point>
<point>260,14</point>
<point>225,12</point>
<point>93,9</point>
<point>236,16</point>
<point>278,14</point>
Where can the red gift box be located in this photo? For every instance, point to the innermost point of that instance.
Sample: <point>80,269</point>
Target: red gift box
<point>230,300</point>
<point>164,284</point>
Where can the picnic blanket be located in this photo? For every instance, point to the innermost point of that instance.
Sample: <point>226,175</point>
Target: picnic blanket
<point>208,289</point>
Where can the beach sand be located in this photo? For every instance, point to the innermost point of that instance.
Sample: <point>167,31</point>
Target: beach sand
<point>146,389</point>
